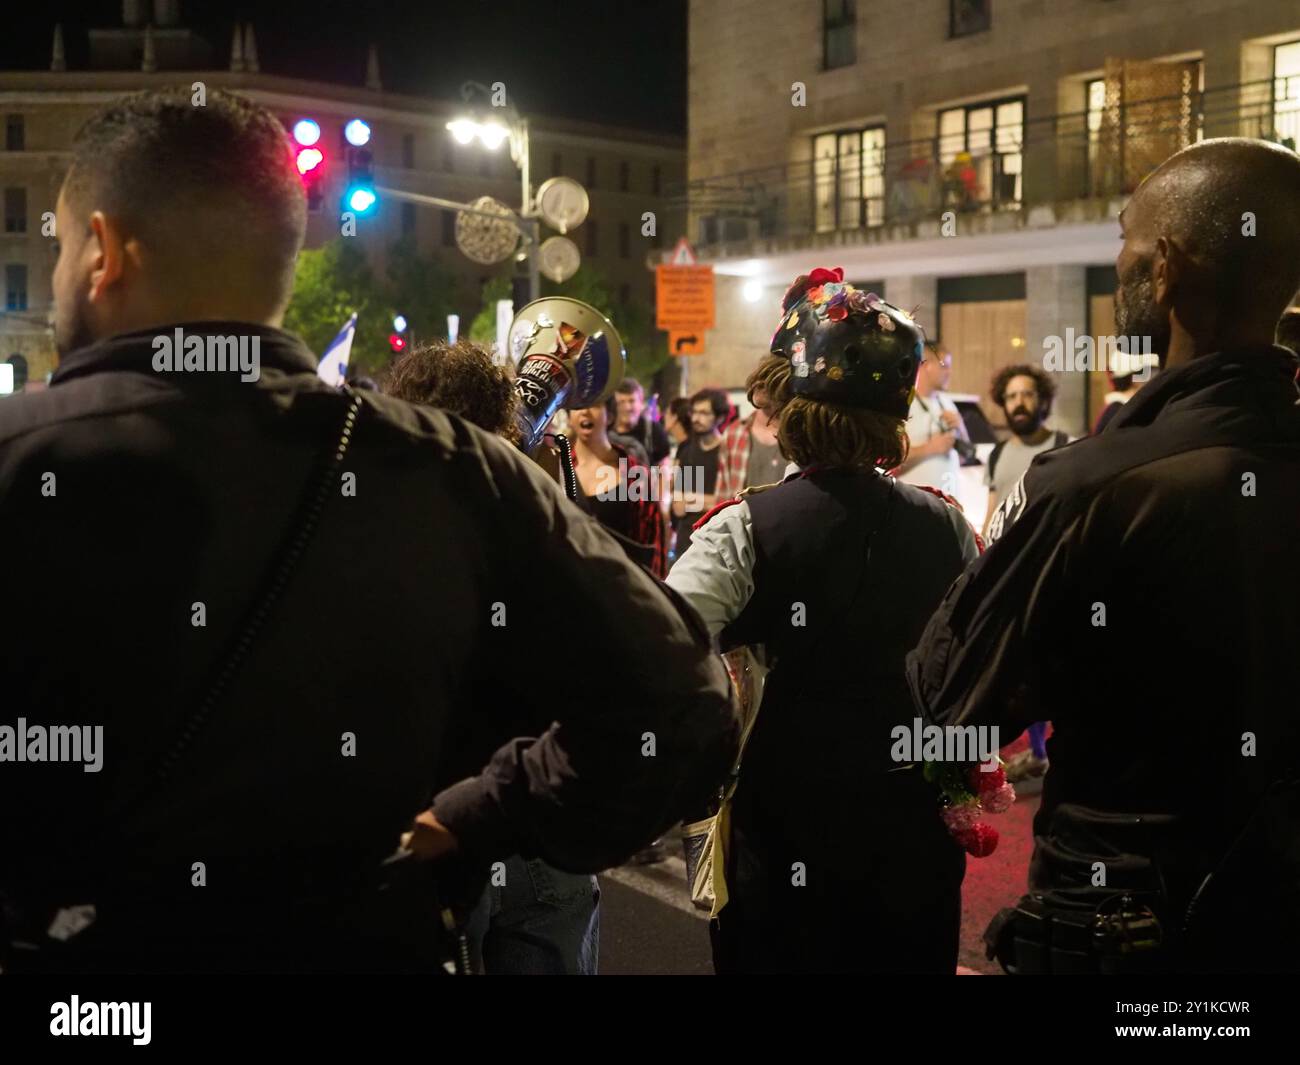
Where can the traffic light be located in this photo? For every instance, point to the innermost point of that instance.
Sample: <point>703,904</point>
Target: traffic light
<point>359,197</point>
<point>397,339</point>
<point>309,159</point>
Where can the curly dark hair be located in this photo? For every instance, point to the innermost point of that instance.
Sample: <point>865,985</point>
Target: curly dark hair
<point>1042,381</point>
<point>812,432</point>
<point>715,398</point>
<point>461,378</point>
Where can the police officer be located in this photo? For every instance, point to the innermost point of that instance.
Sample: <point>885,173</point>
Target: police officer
<point>834,571</point>
<point>1160,556</point>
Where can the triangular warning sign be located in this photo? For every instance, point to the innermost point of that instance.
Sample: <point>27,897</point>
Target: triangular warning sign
<point>683,254</point>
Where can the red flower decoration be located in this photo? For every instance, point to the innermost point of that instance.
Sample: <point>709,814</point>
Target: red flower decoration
<point>980,840</point>
<point>821,274</point>
<point>983,783</point>
<point>837,312</point>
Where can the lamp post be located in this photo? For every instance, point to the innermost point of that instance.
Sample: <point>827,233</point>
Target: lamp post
<point>482,125</point>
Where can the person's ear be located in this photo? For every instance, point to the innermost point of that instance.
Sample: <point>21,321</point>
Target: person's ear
<point>1168,271</point>
<point>107,248</point>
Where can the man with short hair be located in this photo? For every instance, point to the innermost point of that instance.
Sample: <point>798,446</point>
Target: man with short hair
<point>934,426</point>
<point>633,421</point>
<point>236,576</point>
<point>695,469</point>
<point>1166,836</point>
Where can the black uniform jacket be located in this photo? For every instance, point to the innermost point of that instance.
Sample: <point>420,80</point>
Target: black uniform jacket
<point>450,601</point>
<point>1143,596</point>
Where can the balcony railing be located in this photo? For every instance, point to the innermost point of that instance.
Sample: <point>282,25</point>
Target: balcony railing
<point>1056,159</point>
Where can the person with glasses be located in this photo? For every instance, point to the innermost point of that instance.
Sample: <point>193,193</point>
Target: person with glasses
<point>933,426</point>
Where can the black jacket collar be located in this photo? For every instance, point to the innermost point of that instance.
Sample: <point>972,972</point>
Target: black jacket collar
<point>1269,367</point>
<point>134,351</point>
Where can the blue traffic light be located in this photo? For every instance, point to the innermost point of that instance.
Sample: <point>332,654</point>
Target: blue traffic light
<point>361,199</point>
<point>357,133</point>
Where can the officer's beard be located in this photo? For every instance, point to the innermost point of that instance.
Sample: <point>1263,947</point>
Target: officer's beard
<point>1138,315</point>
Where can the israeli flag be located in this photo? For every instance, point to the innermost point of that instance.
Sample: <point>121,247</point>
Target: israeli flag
<point>333,368</point>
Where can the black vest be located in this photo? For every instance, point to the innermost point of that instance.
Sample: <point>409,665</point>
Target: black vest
<point>836,620</point>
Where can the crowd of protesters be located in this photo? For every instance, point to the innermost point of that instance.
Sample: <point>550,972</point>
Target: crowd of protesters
<point>374,694</point>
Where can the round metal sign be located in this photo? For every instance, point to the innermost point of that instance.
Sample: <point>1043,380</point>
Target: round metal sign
<point>483,239</point>
<point>562,203</point>
<point>558,259</point>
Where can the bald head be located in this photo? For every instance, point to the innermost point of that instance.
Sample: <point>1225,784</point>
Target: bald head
<point>1219,223</point>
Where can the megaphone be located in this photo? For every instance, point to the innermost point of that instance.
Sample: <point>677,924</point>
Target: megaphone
<point>568,355</point>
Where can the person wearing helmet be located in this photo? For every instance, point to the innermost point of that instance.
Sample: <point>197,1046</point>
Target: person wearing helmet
<point>834,571</point>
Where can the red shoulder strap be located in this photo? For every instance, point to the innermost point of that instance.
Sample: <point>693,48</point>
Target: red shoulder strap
<point>717,507</point>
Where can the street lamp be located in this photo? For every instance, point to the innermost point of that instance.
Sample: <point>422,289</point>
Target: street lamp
<point>486,125</point>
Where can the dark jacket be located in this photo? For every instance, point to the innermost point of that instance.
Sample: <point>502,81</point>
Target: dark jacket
<point>848,567</point>
<point>428,623</point>
<point>1143,596</point>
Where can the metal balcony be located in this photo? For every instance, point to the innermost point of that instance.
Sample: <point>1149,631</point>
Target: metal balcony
<point>1074,165</point>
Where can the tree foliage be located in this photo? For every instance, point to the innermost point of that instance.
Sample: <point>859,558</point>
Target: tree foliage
<point>334,280</point>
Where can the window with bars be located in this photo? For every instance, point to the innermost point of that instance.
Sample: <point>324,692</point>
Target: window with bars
<point>839,34</point>
<point>1286,94</point>
<point>980,148</point>
<point>969,16</point>
<point>849,179</point>
<point>15,133</point>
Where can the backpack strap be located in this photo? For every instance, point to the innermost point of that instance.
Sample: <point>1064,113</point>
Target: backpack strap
<point>993,456</point>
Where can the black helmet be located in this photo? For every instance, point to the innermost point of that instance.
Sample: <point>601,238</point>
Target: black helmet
<point>848,346</point>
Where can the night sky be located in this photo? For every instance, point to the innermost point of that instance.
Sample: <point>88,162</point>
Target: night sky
<point>614,62</point>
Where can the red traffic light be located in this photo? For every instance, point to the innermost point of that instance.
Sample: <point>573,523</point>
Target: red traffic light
<point>396,341</point>
<point>309,161</point>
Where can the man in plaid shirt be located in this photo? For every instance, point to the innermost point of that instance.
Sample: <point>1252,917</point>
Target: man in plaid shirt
<point>749,454</point>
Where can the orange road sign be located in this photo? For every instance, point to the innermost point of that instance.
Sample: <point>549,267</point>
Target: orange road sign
<point>686,342</point>
<point>683,297</point>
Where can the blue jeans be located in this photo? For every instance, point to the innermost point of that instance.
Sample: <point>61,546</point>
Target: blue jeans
<point>541,921</point>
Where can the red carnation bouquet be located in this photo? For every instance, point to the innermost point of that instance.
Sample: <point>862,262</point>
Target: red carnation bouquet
<point>967,793</point>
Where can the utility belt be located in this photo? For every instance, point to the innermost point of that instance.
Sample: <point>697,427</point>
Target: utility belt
<point>1050,934</point>
<point>1244,910</point>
